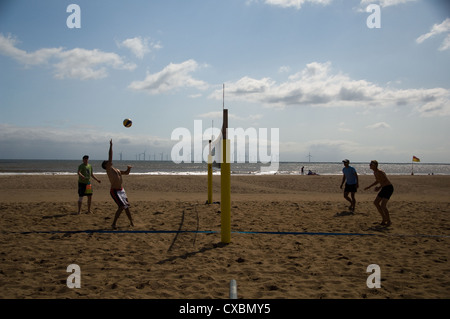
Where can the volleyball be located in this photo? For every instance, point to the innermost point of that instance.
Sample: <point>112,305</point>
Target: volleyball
<point>127,123</point>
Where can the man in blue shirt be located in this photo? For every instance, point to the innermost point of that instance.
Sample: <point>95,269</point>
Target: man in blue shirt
<point>350,178</point>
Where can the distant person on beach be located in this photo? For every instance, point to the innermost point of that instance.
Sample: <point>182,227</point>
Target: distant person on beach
<point>350,177</point>
<point>117,191</point>
<point>303,170</point>
<point>385,193</point>
<point>85,173</point>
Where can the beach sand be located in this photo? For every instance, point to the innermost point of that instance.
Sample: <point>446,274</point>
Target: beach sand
<point>327,257</point>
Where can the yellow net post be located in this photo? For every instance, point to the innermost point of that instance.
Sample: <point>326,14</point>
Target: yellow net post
<point>225,182</point>
<point>210,175</point>
<point>225,201</point>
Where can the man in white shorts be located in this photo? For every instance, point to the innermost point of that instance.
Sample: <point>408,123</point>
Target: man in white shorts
<point>117,192</point>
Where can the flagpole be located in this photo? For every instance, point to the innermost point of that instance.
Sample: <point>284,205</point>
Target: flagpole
<point>414,159</point>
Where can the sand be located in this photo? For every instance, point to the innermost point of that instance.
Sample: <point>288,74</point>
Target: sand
<point>326,255</point>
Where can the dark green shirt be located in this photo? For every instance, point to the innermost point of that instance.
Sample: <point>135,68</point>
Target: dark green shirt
<point>86,171</point>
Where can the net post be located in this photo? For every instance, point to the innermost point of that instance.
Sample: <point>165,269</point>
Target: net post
<point>210,170</point>
<point>225,182</point>
<point>233,289</point>
<point>225,195</point>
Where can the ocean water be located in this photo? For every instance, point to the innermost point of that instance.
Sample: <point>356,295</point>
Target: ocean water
<point>69,167</point>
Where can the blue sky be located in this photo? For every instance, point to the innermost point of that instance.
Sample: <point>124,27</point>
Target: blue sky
<point>334,87</point>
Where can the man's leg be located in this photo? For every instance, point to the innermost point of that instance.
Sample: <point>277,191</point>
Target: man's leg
<point>380,210</point>
<point>353,202</point>
<point>80,200</point>
<point>118,212</point>
<point>387,220</point>
<point>89,203</point>
<point>348,198</point>
<point>127,211</point>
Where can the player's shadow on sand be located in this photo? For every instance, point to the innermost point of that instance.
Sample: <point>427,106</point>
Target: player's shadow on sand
<point>344,213</point>
<point>379,228</point>
<point>59,215</point>
<point>191,254</point>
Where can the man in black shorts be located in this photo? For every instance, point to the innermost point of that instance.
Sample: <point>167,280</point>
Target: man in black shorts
<point>386,189</point>
<point>350,178</point>
<point>85,173</point>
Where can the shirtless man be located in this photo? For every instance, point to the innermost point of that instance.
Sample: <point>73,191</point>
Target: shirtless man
<point>117,192</point>
<point>384,195</point>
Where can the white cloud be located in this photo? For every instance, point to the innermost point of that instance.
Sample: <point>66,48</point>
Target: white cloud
<point>330,148</point>
<point>379,125</point>
<point>212,115</point>
<point>69,135</point>
<point>171,77</point>
<point>75,63</point>
<point>342,127</point>
<point>337,150</point>
<point>445,44</point>
<point>317,85</point>
<point>88,64</point>
<point>42,56</point>
<point>219,115</point>
<point>284,69</point>
<point>437,29</point>
<point>70,142</point>
<point>385,3</point>
<point>140,46</point>
<point>297,4</point>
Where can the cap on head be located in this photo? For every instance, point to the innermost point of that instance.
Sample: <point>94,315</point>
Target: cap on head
<point>346,161</point>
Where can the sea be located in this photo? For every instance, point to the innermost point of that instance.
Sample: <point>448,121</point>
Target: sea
<point>69,167</point>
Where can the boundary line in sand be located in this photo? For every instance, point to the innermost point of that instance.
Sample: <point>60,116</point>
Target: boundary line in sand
<point>103,231</point>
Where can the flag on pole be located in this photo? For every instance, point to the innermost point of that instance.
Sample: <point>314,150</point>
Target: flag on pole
<point>416,159</point>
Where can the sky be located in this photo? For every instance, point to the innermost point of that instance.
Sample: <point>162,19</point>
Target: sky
<point>336,79</point>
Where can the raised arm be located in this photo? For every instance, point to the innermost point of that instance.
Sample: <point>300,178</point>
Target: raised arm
<point>110,154</point>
